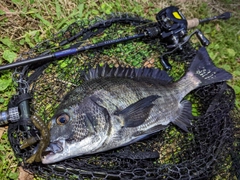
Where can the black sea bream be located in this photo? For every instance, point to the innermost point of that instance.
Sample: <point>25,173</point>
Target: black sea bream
<point>119,106</point>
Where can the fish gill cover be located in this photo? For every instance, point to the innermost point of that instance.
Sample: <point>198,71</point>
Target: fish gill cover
<point>210,150</point>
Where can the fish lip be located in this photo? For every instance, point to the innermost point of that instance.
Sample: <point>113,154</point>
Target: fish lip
<point>52,149</point>
<point>56,146</point>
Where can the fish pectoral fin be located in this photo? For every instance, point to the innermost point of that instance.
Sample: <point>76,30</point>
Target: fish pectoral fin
<point>184,119</point>
<point>135,114</point>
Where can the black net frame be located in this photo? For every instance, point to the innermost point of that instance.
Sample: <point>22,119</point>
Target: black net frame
<point>209,151</point>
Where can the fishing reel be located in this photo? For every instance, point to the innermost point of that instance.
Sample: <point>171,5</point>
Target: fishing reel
<point>173,34</point>
<point>173,26</point>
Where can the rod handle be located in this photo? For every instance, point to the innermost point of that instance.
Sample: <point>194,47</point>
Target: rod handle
<point>192,23</point>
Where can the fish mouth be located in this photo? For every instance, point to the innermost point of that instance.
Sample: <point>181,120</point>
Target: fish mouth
<point>52,149</point>
<point>55,147</point>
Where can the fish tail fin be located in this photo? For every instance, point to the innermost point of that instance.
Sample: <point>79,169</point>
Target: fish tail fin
<point>203,68</point>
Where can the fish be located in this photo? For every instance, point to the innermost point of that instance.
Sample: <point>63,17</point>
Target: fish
<point>116,107</point>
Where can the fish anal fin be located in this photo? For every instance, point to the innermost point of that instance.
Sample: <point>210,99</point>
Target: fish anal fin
<point>135,114</point>
<point>146,133</point>
<point>156,129</point>
<point>183,121</point>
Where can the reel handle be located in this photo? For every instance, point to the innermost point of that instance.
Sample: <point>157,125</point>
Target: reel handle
<point>166,65</point>
<point>204,41</point>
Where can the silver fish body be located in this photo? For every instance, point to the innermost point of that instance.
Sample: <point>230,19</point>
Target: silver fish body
<point>118,107</point>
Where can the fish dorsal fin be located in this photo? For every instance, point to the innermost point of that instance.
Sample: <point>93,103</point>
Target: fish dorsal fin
<point>132,73</point>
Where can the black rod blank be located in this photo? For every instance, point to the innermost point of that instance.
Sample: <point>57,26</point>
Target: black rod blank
<point>223,16</point>
<point>70,51</point>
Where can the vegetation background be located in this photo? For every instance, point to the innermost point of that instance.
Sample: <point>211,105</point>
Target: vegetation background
<point>24,23</point>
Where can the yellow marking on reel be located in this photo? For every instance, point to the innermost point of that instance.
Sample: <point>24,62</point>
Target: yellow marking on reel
<point>177,15</point>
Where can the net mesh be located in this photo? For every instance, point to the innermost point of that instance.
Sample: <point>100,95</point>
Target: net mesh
<point>209,151</point>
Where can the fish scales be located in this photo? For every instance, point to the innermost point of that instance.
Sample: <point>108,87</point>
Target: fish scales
<point>124,93</point>
<point>121,93</point>
<point>119,106</point>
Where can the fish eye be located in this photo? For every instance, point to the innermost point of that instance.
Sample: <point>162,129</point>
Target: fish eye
<point>62,119</point>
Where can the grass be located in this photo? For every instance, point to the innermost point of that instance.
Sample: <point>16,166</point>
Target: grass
<point>24,23</point>
<point>8,162</point>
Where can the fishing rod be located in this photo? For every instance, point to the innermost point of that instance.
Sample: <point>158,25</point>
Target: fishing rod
<point>171,28</point>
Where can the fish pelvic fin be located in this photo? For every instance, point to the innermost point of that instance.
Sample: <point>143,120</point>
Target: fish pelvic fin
<point>206,72</point>
<point>185,116</point>
<point>136,114</point>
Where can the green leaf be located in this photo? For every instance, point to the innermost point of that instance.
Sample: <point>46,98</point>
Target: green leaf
<point>2,12</point>
<point>1,100</point>
<point>216,46</point>
<point>236,73</point>
<point>33,33</point>
<point>4,83</point>
<point>31,1</point>
<point>63,64</point>
<point>9,56</point>
<point>31,11</point>
<point>44,21</point>
<point>106,8</point>
<point>80,9</point>
<point>21,42</point>
<point>231,52</point>
<point>226,67</point>
<point>13,175</point>
<point>2,148</point>
<point>213,56</point>
<point>28,39</point>
<point>48,106</point>
<point>236,89</point>
<point>58,9</point>
<point>207,30</point>
<point>95,12</point>
<point>7,42</point>
<point>16,2</point>
<point>24,10</point>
